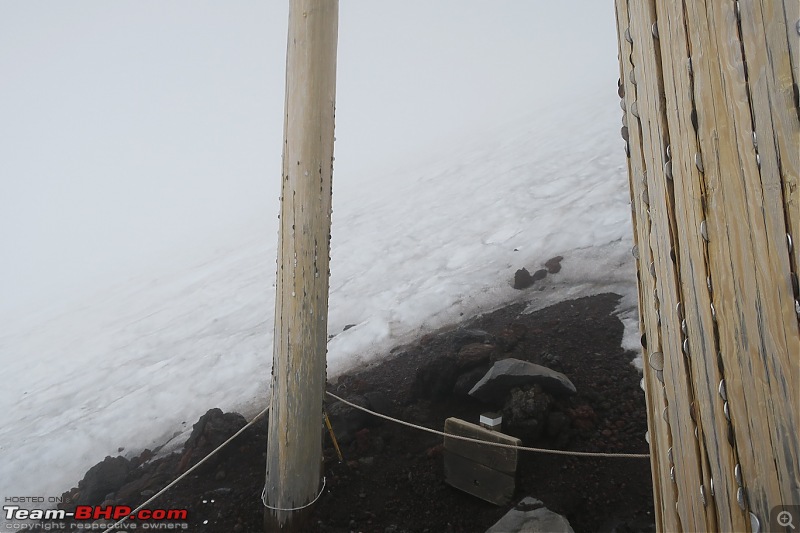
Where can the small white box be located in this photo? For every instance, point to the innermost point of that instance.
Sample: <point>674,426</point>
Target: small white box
<point>492,421</point>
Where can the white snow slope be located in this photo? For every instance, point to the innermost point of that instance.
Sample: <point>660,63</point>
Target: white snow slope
<point>145,360</point>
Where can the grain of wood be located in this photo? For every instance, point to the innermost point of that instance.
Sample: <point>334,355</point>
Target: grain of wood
<point>487,472</point>
<point>478,479</point>
<point>689,201</point>
<point>716,235</point>
<point>501,459</point>
<point>791,26</point>
<point>294,449</point>
<point>756,335</point>
<point>771,87</point>
<point>679,391</point>
<point>664,490</point>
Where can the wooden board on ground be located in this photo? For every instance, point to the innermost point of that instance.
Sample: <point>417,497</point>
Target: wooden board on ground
<point>485,471</point>
<point>501,459</point>
<point>479,480</point>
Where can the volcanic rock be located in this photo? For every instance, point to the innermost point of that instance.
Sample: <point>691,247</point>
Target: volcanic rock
<point>553,264</point>
<point>531,516</point>
<point>211,430</point>
<point>539,274</point>
<point>522,279</point>
<point>104,477</point>
<point>509,373</point>
<point>473,355</point>
<point>346,420</point>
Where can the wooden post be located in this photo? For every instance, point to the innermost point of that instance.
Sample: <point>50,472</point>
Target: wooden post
<point>711,122</point>
<point>294,449</point>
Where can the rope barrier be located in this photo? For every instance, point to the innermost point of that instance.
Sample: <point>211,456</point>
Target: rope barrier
<point>200,462</point>
<point>309,504</point>
<point>498,444</point>
<point>255,419</point>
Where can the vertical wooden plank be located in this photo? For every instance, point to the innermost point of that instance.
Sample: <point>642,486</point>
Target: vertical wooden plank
<point>752,326</point>
<point>791,25</point>
<point>660,438</point>
<point>777,134</point>
<point>688,467</point>
<point>771,86</point>
<point>294,448</point>
<point>689,204</point>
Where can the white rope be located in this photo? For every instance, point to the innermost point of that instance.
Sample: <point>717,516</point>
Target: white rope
<point>498,444</point>
<point>309,504</point>
<point>203,460</point>
<point>379,415</point>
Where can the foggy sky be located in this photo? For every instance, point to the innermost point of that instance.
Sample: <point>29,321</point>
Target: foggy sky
<point>137,134</point>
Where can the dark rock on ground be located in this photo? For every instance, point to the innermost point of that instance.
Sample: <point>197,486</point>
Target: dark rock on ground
<point>522,279</point>
<point>211,430</point>
<point>145,485</point>
<point>557,424</point>
<point>553,264</point>
<point>525,412</point>
<point>473,355</point>
<point>551,361</point>
<point>467,380</point>
<point>539,274</point>
<point>143,457</point>
<point>436,378</point>
<point>461,336</point>
<point>512,334</point>
<point>583,418</point>
<point>509,373</point>
<point>103,478</point>
<point>347,421</point>
<point>379,402</point>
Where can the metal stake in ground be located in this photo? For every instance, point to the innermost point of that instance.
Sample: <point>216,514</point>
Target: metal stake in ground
<point>294,448</point>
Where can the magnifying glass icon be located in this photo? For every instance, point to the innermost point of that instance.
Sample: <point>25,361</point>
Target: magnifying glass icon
<point>785,519</point>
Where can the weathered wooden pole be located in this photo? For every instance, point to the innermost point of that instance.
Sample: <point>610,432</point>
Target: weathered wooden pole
<point>294,449</point>
<point>711,128</point>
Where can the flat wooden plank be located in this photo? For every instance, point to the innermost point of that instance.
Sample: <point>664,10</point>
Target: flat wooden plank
<point>688,465</point>
<point>494,457</point>
<point>479,480</point>
<point>664,491</point>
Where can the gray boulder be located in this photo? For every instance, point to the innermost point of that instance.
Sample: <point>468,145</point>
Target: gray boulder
<point>531,516</point>
<point>509,373</point>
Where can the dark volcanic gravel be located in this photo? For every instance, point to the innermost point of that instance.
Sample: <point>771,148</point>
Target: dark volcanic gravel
<point>392,479</point>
